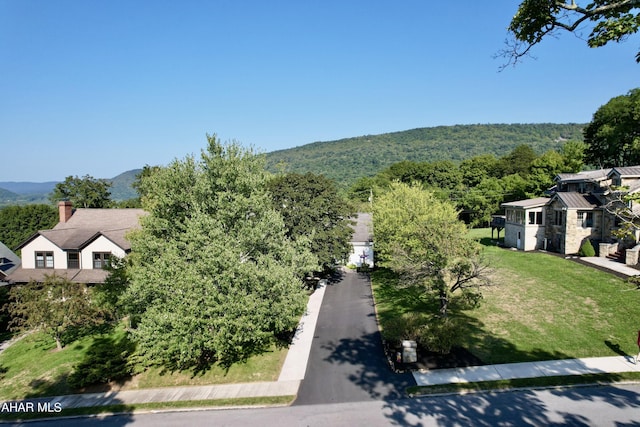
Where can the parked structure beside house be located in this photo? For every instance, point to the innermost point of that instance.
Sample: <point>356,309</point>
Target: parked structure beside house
<point>362,241</point>
<point>79,246</point>
<point>579,208</point>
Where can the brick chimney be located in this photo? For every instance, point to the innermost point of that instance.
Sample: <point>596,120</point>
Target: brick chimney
<point>65,209</point>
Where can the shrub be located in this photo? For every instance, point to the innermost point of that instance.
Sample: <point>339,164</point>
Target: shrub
<point>440,335</point>
<point>587,249</point>
<point>409,326</point>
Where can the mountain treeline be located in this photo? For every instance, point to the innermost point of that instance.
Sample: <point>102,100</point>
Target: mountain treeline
<point>348,159</point>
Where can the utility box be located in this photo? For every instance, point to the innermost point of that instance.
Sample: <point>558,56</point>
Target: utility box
<point>409,351</point>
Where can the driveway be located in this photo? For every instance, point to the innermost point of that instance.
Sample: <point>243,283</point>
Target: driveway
<point>347,362</point>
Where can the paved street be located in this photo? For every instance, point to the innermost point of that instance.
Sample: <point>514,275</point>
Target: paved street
<point>346,363</point>
<point>584,406</point>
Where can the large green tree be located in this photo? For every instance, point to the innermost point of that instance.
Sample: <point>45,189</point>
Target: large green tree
<point>613,135</point>
<point>419,236</point>
<point>17,223</point>
<point>85,192</point>
<point>214,278</point>
<point>54,306</point>
<point>604,20</point>
<point>312,208</point>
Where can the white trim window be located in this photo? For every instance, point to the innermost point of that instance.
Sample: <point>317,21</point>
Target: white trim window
<point>585,219</point>
<point>44,259</point>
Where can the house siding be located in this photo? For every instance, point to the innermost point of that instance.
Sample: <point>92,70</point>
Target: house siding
<point>101,244</point>
<point>42,244</point>
<point>519,233</point>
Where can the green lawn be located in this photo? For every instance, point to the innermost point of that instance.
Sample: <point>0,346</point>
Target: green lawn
<point>33,367</point>
<point>540,307</point>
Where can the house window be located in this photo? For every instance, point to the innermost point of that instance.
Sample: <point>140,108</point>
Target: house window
<point>101,259</point>
<point>44,259</point>
<point>585,219</point>
<point>73,260</point>
<point>557,217</point>
<point>535,218</point>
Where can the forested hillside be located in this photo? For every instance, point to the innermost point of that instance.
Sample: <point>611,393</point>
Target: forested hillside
<point>348,159</point>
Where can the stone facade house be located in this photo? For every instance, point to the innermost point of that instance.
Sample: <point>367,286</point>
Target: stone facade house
<point>79,246</point>
<point>581,207</point>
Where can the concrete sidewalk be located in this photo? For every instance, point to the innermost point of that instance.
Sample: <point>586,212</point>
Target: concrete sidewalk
<point>595,365</point>
<point>611,265</point>
<point>291,374</point>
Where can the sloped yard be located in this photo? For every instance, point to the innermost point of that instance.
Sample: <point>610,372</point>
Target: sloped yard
<point>541,307</point>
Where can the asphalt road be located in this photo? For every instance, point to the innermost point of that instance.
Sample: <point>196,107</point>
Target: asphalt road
<point>346,363</point>
<point>584,406</point>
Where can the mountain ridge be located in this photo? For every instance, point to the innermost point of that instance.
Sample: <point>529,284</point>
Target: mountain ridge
<point>345,160</point>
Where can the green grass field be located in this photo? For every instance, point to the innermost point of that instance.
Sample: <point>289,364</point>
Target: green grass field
<point>540,307</point>
<point>32,367</point>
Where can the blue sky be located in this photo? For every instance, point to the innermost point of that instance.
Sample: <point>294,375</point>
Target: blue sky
<point>102,87</point>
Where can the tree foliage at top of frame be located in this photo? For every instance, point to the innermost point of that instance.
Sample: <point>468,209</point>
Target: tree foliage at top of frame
<point>606,20</point>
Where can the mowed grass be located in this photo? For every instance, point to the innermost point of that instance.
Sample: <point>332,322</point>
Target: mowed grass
<point>32,367</point>
<point>540,307</point>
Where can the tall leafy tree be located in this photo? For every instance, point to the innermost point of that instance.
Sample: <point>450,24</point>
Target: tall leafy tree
<point>17,223</point>
<point>607,21</point>
<point>519,161</point>
<point>420,237</point>
<point>54,306</point>
<point>613,135</point>
<point>482,201</point>
<point>573,153</point>
<point>214,278</point>
<point>478,168</point>
<point>85,192</point>
<point>312,208</point>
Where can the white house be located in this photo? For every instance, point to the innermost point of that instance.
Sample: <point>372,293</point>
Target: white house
<point>362,241</point>
<point>525,224</point>
<point>79,246</point>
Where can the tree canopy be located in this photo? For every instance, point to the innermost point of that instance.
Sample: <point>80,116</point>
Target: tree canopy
<point>85,192</point>
<point>54,306</point>
<point>421,238</point>
<point>17,223</point>
<point>214,278</point>
<point>613,135</point>
<point>606,20</point>
<point>312,209</point>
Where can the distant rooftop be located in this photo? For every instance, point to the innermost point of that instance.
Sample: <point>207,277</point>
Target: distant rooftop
<point>362,229</point>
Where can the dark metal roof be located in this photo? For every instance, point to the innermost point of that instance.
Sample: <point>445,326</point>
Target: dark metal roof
<point>574,200</point>
<point>594,175</point>
<point>626,171</point>
<point>528,203</point>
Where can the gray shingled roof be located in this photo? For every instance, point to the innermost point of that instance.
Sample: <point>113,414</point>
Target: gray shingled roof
<point>362,228</point>
<point>22,275</point>
<point>574,200</point>
<point>85,225</point>
<point>10,261</point>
